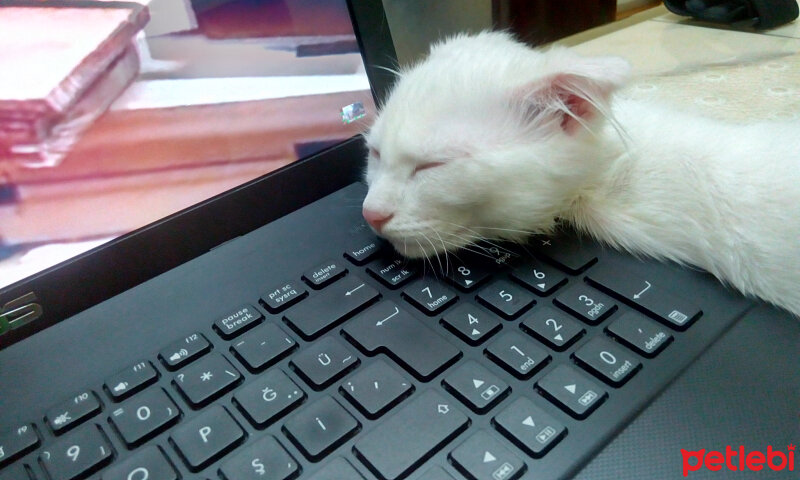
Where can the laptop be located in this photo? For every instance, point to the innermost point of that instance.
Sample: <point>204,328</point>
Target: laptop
<point>265,332</point>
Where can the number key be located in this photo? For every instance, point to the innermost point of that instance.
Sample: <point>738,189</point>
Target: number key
<point>517,354</point>
<point>587,303</point>
<point>552,327</point>
<point>539,277</point>
<point>430,296</point>
<point>471,323</point>
<point>465,276</point>
<point>506,298</point>
<point>144,416</point>
<point>607,360</point>
<point>77,455</point>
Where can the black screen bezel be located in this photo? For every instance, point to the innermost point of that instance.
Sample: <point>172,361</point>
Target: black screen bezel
<point>108,270</point>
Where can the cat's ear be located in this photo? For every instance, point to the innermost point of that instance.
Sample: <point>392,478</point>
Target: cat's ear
<point>571,90</point>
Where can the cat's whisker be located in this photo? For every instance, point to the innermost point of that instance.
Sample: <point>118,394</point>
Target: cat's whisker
<point>512,230</point>
<point>444,249</point>
<point>486,240</point>
<point>465,246</point>
<point>424,255</point>
<point>438,259</point>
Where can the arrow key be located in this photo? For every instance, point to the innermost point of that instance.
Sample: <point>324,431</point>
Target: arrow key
<point>476,387</point>
<point>471,323</point>
<point>571,390</point>
<point>529,427</point>
<point>482,457</point>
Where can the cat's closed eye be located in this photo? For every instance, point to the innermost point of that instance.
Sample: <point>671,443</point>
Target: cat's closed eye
<point>374,153</point>
<point>426,166</point>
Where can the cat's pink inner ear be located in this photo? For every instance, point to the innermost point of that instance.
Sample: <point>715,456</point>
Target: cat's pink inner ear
<point>572,98</point>
<point>579,109</point>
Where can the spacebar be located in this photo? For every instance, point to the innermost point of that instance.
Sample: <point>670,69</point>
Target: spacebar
<point>403,442</point>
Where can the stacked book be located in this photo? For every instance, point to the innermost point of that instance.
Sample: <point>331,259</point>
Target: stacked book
<point>62,64</point>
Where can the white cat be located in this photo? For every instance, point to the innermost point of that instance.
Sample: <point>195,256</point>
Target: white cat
<point>488,138</point>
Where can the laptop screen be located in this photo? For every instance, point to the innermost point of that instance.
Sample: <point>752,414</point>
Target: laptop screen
<point>201,97</point>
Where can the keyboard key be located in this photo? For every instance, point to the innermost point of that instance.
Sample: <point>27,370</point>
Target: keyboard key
<point>363,249</point>
<point>467,274</point>
<point>529,427</point>
<point>263,346</point>
<point>238,321</point>
<point>393,271</point>
<point>338,469</point>
<point>412,435</point>
<point>436,473</point>
<point>586,303</point>
<point>185,350</point>
<point>608,360</point>
<point>506,298</point>
<point>206,437</point>
<point>567,252</point>
<point>331,306</point>
<point>500,255</point>
<point>571,390</point>
<point>16,471</point>
<point>541,278</point>
<point>320,427</point>
<point>429,295</point>
<point>415,346</point>
<point>77,455</point>
<point>264,457</point>
<point>650,298</point>
<point>16,442</point>
<point>643,335</point>
<point>324,362</point>
<point>149,463</point>
<point>268,397</point>
<point>376,389</point>
<point>517,354</point>
<point>73,411</point>
<point>283,296</point>
<point>207,380</point>
<point>481,457</point>
<point>556,329</point>
<point>125,383</point>
<point>471,323</point>
<point>144,416</point>
<point>325,273</point>
<point>476,387</point>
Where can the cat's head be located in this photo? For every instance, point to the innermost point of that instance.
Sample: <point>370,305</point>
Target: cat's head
<point>485,138</point>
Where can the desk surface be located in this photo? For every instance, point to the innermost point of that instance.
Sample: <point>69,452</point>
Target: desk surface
<point>739,76</point>
<point>745,389</point>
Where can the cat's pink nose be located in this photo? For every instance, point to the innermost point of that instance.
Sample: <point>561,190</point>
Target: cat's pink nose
<point>376,219</point>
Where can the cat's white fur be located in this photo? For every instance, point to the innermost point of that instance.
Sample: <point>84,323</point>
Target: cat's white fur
<point>513,139</point>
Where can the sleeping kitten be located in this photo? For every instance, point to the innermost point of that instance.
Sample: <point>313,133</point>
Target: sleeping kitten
<point>490,138</point>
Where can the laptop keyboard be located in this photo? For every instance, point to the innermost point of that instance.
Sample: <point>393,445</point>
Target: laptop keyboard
<point>369,366</point>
